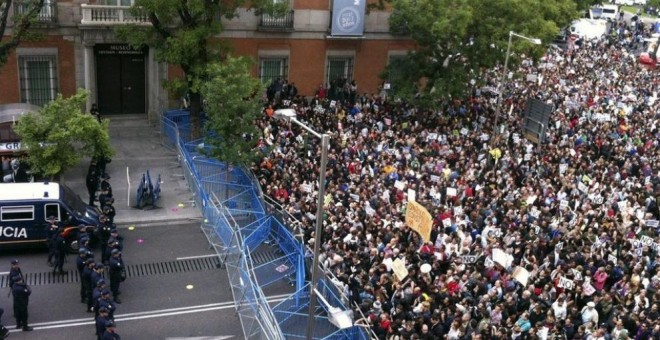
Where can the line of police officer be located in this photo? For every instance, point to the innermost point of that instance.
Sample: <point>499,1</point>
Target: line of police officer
<point>93,289</point>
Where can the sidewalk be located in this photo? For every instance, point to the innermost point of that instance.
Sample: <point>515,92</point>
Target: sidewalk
<point>138,149</point>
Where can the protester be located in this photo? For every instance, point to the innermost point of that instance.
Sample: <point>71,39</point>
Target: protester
<point>550,239</point>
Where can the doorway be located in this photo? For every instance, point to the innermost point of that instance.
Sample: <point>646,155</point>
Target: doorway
<point>120,78</point>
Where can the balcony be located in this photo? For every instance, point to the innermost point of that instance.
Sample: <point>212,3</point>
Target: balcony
<point>104,15</point>
<point>47,15</point>
<point>271,23</point>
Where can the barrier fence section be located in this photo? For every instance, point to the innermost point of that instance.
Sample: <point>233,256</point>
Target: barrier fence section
<point>237,221</point>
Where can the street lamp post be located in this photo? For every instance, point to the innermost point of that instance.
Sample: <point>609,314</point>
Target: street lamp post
<point>500,86</point>
<point>290,115</point>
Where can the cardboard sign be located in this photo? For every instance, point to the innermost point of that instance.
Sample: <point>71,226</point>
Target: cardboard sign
<point>531,199</point>
<point>504,259</point>
<point>598,199</point>
<point>412,195</point>
<point>582,187</point>
<point>565,283</point>
<point>612,258</point>
<point>446,222</point>
<point>306,187</point>
<point>652,223</point>
<point>563,204</point>
<point>355,197</point>
<point>435,178</point>
<point>535,213</point>
<point>451,192</point>
<point>400,185</point>
<point>521,275</point>
<point>488,263</point>
<point>458,211</point>
<point>495,233</point>
<point>559,247</point>
<point>469,259</point>
<point>419,220</point>
<point>647,241</point>
<point>562,168</point>
<point>622,205</point>
<point>577,275</point>
<point>399,269</point>
<point>587,288</point>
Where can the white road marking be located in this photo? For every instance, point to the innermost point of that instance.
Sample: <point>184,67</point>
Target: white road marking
<point>196,257</point>
<point>4,273</point>
<point>146,314</point>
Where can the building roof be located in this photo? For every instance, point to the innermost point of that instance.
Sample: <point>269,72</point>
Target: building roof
<point>29,191</point>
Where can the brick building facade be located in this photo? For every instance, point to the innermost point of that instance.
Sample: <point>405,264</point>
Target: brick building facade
<point>79,50</point>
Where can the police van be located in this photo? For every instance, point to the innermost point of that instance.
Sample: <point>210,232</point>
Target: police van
<point>25,208</point>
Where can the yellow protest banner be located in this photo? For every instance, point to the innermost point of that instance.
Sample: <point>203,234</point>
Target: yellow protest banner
<point>399,269</point>
<point>419,220</point>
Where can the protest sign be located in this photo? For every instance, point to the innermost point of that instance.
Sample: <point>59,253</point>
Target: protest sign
<point>419,220</point>
<point>469,259</point>
<point>577,275</point>
<point>652,223</point>
<point>412,195</point>
<point>563,204</point>
<point>435,178</point>
<point>306,187</point>
<point>534,213</point>
<point>647,241</point>
<point>458,211</point>
<point>451,192</point>
<point>521,275</point>
<point>399,185</point>
<point>612,258</point>
<point>504,259</point>
<point>565,283</point>
<point>399,269</point>
<point>488,263</point>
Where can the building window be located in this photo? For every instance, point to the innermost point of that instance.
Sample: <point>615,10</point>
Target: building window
<point>271,68</point>
<point>339,68</point>
<point>38,79</point>
<point>396,67</point>
<point>48,13</point>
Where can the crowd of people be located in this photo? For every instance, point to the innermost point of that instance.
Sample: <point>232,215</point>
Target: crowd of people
<point>548,239</point>
<point>98,291</point>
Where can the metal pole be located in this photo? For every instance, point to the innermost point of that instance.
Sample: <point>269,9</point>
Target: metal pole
<point>325,140</point>
<point>498,108</point>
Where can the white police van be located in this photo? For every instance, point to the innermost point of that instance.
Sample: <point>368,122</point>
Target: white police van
<point>25,208</point>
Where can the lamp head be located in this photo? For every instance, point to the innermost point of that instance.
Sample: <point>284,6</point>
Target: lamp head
<point>286,114</point>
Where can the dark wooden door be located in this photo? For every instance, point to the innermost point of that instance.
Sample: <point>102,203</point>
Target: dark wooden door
<point>120,79</point>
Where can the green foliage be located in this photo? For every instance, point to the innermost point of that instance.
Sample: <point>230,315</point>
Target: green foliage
<point>458,37</point>
<point>184,33</point>
<point>233,104</point>
<point>60,134</point>
<point>21,24</point>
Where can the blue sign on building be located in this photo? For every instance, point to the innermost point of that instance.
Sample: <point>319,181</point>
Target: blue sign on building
<point>348,17</point>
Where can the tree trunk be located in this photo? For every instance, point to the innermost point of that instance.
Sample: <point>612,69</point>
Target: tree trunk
<point>195,115</point>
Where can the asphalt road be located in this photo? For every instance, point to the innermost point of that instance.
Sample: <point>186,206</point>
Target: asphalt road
<point>174,290</point>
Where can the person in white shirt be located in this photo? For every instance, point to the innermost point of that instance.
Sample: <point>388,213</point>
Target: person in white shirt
<point>559,308</point>
<point>589,314</point>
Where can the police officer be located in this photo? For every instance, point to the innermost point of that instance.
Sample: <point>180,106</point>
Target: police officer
<point>97,274</point>
<point>53,230</point>
<point>100,322</point>
<point>104,196</point>
<point>96,296</point>
<point>92,182</point>
<point>21,293</point>
<point>60,252</point>
<point>106,301</point>
<point>116,267</point>
<point>103,232</point>
<point>105,184</point>
<point>110,333</point>
<point>14,272</point>
<point>86,281</point>
<point>109,209</point>
<point>81,263</point>
<point>4,332</point>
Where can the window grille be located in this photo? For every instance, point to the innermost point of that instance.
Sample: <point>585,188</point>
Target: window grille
<point>339,68</point>
<point>272,68</point>
<point>38,79</point>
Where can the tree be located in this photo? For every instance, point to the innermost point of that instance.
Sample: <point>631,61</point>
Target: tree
<point>184,33</point>
<point>22,23</point>
<point>458,38</point>
<point>60,134</point>
<point>233,103</point>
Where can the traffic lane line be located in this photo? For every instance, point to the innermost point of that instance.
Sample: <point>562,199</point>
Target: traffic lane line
<point>145,314</point>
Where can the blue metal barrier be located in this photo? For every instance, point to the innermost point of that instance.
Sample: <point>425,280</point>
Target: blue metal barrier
<point>236,223</point>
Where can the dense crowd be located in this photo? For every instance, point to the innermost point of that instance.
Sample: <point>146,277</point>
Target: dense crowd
<point>549,240</point>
